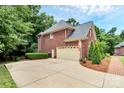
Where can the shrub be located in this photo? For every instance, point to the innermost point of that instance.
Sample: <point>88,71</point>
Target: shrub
<point>36,55</point>
<point>96,55</point>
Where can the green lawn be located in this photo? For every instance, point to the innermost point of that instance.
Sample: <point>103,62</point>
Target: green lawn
<point>6,80</point>
<point>122,59</point>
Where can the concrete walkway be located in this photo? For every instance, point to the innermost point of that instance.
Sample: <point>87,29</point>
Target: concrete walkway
<point>116,67</point>
<point>53,73</point>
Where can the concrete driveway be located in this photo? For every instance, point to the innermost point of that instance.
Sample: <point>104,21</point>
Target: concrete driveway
<point>55,73</point>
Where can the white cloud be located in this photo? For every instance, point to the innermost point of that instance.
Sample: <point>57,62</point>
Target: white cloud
<point>105,16</point>
<point>87,10</point>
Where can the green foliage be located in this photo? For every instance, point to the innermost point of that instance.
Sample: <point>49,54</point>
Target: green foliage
<point>121,59</point>
<point>72,21</point>
<point>122,35</point>
<point>108,38</point>
<point>33,47</point>
<point>36,55</point>
<point>19,26</point>
<point>13,30</point>
<point>100,46</point>
<point>6,80</point>
<point>42,22</point>
<point>107,55</point>
<point>90,52</point>
<point>96,55</point>
<point>112,31</point>
<point>100,33</point>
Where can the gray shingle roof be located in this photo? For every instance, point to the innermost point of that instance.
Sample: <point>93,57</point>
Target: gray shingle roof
<point>60,25</point>
<point>81,30</point>
<point>120,45</point>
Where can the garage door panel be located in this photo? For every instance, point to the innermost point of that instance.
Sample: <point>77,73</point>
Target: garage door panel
<point>71,53</point>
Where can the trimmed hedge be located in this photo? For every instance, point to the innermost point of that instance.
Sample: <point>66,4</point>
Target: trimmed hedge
<point>36,55</point>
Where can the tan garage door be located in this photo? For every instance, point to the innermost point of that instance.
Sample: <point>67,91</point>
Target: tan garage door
<point>68,52</point>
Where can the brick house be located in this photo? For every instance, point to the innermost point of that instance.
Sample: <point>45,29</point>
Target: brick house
<point>64,34</point>
<point>119,49</point>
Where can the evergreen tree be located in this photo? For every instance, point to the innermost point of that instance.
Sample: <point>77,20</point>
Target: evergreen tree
<point>96,55</point>
<point>90,51</point>
<point>100,49</point>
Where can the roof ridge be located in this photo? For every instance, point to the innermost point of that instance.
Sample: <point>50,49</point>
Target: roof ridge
<point>59,25</point>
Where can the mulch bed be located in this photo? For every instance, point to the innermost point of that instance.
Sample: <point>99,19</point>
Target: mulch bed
<point>99,67</point>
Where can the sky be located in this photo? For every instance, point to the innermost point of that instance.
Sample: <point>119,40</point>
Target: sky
<point>103,16</point>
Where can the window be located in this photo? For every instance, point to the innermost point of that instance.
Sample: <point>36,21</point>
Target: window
<point>51,36</point>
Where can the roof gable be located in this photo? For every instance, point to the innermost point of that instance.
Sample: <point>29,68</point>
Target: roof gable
<point>81,31</point>
<point>58,26</point>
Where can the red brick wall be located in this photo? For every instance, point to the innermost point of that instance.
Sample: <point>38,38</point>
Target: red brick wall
<point>91,36</point>
<point>68,32</point>
<point>119,51</point>
<point>73,43</point>
<point>84,48</point>
<point>86,43</point>
<point>122,51</point>
<point>47,44</point>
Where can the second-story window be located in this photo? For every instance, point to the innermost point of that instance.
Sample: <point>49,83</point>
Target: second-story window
<point>51,36</point>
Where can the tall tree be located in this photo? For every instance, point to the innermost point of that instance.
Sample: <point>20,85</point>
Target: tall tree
<point>122,35</point>
<point>34,9</point>
<point>13,30</point>
<point>72,21</point>
<point>96,55</point>
<point>100,33</point>
<point>112,31</point>
<point>109,39</point>
<point>90,52</point>
<point>42,23</point>
<point>19,26</point>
